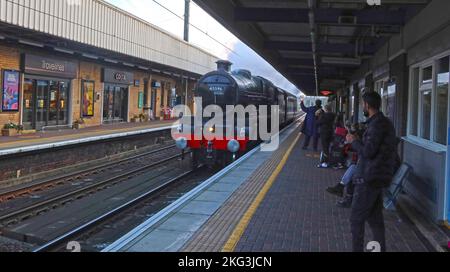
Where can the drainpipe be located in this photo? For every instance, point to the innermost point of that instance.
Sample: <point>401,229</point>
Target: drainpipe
<point>311,5</point>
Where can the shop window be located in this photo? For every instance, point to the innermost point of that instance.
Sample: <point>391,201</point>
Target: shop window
<point>442,77</point>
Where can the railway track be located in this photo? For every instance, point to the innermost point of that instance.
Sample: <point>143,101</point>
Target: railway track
<point>7,195</point>
<point>60,243</point>
<point>49,203</point>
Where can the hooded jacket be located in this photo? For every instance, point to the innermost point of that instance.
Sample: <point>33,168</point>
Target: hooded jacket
<point>377,152</point>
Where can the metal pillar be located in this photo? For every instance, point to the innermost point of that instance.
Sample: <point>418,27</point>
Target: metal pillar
<point>187,4</point>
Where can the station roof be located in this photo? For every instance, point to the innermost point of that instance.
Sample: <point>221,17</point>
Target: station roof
<point>316,44</point>
<point>94,29</point>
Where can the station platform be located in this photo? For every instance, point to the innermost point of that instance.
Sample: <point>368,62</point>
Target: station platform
<point>265,202</point>
<point>43,140</point>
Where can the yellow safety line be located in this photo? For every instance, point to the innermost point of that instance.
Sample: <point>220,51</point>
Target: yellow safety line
<point>78,136</point>
<point>245,220</point>
<point>447,224</point>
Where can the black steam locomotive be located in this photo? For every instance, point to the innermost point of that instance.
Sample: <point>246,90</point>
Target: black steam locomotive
<point>239,87</point>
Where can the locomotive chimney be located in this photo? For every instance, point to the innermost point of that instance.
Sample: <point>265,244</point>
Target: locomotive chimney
<point>224,65</point>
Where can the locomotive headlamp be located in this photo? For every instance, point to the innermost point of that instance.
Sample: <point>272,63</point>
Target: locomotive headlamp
<point>243,132</point>
<point>180,128</point>
<point>181,143</point>
<point>233,146</point>
<point>212,129</point>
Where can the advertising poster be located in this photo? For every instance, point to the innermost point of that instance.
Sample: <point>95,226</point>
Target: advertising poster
<point>88,99</point>
<point>10,94</point>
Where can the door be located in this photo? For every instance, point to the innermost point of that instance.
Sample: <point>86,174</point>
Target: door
<point>63,105</point>
<point>108,103</point>
<point>153,102</point>
<point>115,104</point>
<point>28,104</point>
<point>41,104</point>
<point>53,103</point>
<point>124,104</point>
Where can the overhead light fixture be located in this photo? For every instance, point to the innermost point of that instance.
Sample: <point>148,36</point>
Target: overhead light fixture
<point>342,61</point>
<point>2,37</point>
<point>89,56</point>
<point>110,60</point>
<point>128,64</point>
<point>143,67</point>
<point>62,50</point>
<point>31,43</point>
<point>156,71</point>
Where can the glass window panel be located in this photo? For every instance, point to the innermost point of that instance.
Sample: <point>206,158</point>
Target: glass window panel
<point>28,104</point>
<point>427,75</point>
<point>414,102</point>
<point>442,101</point>
<point>426,114</point>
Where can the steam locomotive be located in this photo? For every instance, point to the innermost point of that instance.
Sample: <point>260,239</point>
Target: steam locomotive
<point>222,88</point>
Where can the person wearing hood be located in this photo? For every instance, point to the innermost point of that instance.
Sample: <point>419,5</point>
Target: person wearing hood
<point>310,124</point>
<point>326,130</point>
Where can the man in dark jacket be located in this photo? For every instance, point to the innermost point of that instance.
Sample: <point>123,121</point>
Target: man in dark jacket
<point>310,126</point>
<point>326,130</point>
<point>374,171</point>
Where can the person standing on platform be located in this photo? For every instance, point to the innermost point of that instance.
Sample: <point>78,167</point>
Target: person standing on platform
<point>377,153</point>
<point>326,127</point>
<point>310,124</point>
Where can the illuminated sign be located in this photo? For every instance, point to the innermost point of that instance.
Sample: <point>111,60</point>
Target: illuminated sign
<point>326,92</point>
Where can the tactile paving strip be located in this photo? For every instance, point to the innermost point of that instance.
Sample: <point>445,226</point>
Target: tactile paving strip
<point>213,235</point>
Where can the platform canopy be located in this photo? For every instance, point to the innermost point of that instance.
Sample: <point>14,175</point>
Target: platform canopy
<point>316,44</point>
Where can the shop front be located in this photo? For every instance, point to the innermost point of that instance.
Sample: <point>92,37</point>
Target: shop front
<point>46,92</point>
<point>115,98</point>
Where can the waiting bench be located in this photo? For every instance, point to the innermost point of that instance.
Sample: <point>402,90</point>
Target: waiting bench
<point>397,186</point>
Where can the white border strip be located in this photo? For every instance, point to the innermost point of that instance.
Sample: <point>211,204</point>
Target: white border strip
<point>139,230</point>
<point>78,141</point>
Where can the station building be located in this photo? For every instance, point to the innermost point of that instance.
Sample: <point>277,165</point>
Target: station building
<point>399,49</point>
<point>411,73</point>
<point>62,61</point>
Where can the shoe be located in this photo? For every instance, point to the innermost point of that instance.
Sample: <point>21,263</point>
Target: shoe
<point>338,167</point>
<point>346,202</point>
<point>337,190</point>
<point>323,165</point>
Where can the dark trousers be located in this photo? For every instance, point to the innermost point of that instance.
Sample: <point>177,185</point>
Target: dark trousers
<point>315,141</point>
<point>326,142</point>
<point>367,207</point>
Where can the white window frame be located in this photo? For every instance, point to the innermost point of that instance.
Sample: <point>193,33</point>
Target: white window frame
<point>429,144</point>
<point>383,83</point>
<point>422,89</point>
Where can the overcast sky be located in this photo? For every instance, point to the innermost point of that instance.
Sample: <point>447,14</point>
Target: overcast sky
<point>229,47</point>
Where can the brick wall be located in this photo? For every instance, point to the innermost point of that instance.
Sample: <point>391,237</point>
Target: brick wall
<point>159,95</point>
<point>9,59</point>
<point>133,103</point>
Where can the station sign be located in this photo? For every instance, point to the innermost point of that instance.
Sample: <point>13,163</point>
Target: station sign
<point>117,76</point>
<point>42,65</point>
